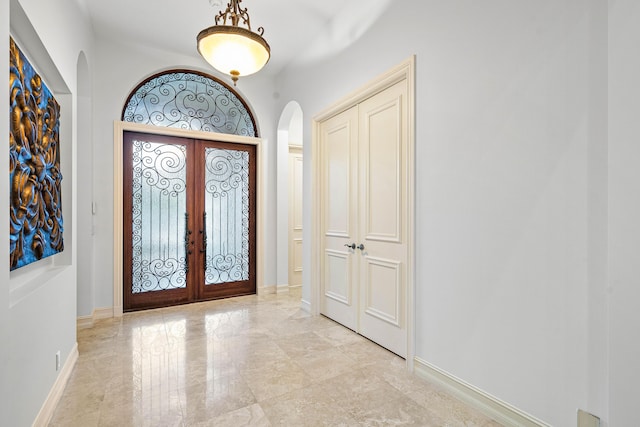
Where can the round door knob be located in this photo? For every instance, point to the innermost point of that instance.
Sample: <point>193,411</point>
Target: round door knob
<point>361,247</point>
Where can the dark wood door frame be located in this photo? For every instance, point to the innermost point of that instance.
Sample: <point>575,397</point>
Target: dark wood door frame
<point>195,289</point>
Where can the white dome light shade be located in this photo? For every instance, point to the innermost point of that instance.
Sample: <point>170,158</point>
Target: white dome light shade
<point>233,50</point>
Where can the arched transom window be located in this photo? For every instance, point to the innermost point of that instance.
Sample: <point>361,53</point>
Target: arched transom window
<point>189,100</point>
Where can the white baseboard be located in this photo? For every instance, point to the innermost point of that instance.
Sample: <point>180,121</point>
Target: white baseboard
<point>103,313</point>
<point>49,405</point>
<point>118,311</point>
<point>295,287</point>
<point>305,305</point>
<point>282,289</point>
<point>491,406</point>
<point>267,290</point>
<point>84,322</point>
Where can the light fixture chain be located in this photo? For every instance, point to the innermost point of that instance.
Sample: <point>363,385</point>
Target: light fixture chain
<point>234,13</point>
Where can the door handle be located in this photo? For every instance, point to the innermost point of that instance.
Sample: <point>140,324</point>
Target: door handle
<point>203,233</point>
<point>360,246</point>
<point>187,243</point>
<point>352,246</point>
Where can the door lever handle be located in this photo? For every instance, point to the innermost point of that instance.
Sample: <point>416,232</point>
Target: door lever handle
<point>352,246</point>
<point>203,233</point>
<point>360,246</point>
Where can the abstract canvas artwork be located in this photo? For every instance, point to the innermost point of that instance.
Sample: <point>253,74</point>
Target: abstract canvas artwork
<point>35,205</point>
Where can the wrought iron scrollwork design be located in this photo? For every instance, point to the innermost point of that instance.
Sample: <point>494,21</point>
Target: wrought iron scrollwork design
<point>227,198</point>
<point>189,100</point>
<point>158,201</point>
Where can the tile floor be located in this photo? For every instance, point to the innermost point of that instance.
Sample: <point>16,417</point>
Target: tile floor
<point>248,361</point>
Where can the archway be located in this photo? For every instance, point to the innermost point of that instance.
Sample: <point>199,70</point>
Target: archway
<point>290,133</point>
<point>85,288</point>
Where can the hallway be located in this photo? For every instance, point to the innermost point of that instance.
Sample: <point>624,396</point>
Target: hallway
<point>257,361</point>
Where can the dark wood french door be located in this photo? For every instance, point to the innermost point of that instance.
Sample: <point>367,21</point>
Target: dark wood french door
<point>189,220</point>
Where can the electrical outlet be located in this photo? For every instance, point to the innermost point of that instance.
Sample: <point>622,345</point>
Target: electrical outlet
<point>58,361</point>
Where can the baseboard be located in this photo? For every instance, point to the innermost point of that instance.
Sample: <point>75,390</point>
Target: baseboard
<point>84,322</point>
<point>305,305</point>
<point>49,405</point>
<point>491,406</point>
<point>295,287</point>
<point>268,290</point>
<point>103,313</point>
<point>282,289</point>
<point>118,311</point>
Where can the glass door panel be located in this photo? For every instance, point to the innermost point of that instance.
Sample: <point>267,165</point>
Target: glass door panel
<point>157,239</point>
<point>228,205</point>
<point>159,215</point>
<point>226,184</point>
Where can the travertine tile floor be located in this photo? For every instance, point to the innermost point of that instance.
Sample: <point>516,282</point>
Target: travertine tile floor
<point>248,361</point>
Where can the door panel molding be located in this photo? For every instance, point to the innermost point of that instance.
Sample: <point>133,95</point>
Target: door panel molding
<point>396,272</point>
<point>388,157</point>
<point>118,172</point>
<point>346,261</point>
<point>297,255</point>
<point>339,178</point>
<point>405,71</point>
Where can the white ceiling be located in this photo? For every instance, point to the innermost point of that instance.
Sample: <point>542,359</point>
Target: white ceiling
<point>172,25</point>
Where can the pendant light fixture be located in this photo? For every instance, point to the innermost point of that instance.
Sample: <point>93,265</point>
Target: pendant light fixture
<point>233,49</point>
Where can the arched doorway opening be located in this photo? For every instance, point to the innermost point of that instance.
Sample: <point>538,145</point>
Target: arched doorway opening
<point>289,197</point>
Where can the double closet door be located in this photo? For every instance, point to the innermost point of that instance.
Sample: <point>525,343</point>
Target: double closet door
<point>364,167</point>
<point>189,220</point>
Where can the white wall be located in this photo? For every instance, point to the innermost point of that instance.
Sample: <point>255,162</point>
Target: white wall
<point>597,328</point>
<point>38,302</point>
<point>119,69</point>
<point>86,280</point>
<point>509,106</point>
<point>624,210</point>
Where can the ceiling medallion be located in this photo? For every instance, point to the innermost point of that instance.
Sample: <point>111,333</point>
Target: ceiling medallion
<point>233,49</point>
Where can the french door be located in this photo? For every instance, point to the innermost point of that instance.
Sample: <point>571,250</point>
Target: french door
<point>189,220</point>
<point>364,184</point>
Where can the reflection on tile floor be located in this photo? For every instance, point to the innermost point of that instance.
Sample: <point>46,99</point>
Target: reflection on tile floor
<point>249,361</point>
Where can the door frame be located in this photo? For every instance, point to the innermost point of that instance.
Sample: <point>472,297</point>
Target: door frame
<point>403,71</point>
<point>119,128</point>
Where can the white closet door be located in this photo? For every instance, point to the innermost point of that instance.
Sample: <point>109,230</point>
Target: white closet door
<point>339,154</point>
<point>382,227</point>
<point>364,199</point>
<point>295,216</point>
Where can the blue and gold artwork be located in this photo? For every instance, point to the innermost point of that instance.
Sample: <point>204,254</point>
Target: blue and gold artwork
<point>35,208</point>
